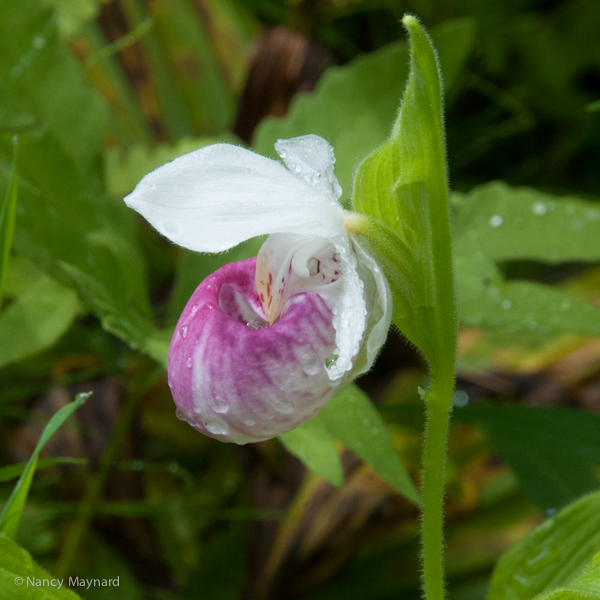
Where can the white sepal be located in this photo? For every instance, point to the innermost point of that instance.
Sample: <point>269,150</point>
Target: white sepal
<point>219,196</point>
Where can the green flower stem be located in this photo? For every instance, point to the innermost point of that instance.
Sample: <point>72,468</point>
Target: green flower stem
<point>438,400</point>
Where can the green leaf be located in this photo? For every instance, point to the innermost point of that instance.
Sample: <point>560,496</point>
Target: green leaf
<point>584,587</point>
<point>353,106</point>
<point>10,517</point>
<point>41,313</point>
<point>486,300</point>
<point>32,61</point>
<point>315,446</point>
<point>7,220</point>
<point>351,418</point>
<point>66,225</point>
<point>22,579</point>
<point>116,318</point>
<point>504,223</point>
<point>553,451</point>
<point>65,220</point>
<point>552,555</point>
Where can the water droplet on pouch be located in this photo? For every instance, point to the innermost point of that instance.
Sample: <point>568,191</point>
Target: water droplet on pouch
<point>180,416</point>
<point>495,221</point>
<point>188,362</point>
<point>284,406</point>
<point>240,439</point>
<point>184,331</point>
<point>311,364</point>
<point>219,405</point>
<point>249,421</point>
<point>257,324</point>
<point>215,426</point>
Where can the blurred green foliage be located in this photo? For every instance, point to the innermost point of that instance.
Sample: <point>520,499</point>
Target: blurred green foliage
<point>101,92</point>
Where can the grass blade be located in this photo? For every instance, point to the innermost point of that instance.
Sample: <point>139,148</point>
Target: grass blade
<point>10,517</point>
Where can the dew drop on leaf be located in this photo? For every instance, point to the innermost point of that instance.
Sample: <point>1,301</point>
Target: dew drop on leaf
<point>495,221</point>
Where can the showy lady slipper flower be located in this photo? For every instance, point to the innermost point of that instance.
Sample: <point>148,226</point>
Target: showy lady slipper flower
<point>264,343</point>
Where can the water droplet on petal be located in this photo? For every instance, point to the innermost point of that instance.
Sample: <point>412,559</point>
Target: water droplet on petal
<point>496,221</point>
<point>284,406</point>
<point>219,405</point>
<point>180,416</point>
<point>330,360</point>
<point>311,364</point>
<point>215,426</point>
<point>188,362</point>
<point>506,304</point>
<point>539,208</point>
<point>240,439</point>
<point>184,331</point>
<point>249,421</point>
<point>257,324</point>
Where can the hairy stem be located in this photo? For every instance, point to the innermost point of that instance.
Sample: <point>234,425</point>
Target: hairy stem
<point>438,400</point>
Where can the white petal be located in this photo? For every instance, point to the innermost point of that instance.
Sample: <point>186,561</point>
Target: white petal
<point>216,197</point>
<point>281,264</point>
<point>379,305</point>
